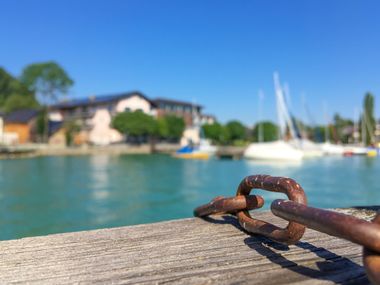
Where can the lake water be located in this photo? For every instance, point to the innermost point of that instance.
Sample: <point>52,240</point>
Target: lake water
<point>47,195</point>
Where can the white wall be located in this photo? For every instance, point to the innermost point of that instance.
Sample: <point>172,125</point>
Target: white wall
<point>133,103</point>
<point>55,116</point>
<point>190,134</point>
<point>102,133</point>
<point>207,120</point>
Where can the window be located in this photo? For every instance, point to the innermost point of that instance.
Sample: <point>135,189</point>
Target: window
<point>127,110</point>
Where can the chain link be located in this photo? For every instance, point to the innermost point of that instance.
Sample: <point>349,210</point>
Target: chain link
<point>221,205</point>
<point>299,215</point>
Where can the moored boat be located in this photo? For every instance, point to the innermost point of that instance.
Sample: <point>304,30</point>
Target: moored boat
<point>329,148</point>
<point>372,152</point>
<point>310,149</point>
<point>277,150</point>
<point>202,151</point>
<point>350,150</point>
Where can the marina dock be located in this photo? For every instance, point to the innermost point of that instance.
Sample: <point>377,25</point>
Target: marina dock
<point>187,251</point>
<point>230,152</point>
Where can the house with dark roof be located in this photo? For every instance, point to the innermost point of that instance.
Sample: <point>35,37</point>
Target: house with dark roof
<point>99,100</point>
<point>94,114</point>
<point>207,119</point>
<point>186,110</point>
<point>21,123</point>
<point>114,103</point>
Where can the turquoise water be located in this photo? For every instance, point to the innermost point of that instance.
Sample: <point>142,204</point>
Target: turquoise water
<point>47,195</point>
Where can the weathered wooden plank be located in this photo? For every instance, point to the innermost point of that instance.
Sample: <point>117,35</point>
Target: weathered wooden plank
<point>189,251</point>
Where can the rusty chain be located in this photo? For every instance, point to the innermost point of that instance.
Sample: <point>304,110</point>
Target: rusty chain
<point>299,216</point>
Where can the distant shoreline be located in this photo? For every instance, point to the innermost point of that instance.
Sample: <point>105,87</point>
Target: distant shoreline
<point>90,150</point>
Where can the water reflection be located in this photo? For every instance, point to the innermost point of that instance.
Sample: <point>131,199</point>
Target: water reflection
<point>58,194</point>
<point>275,164</point>
<point>99,175</point>
<point>98,203</point>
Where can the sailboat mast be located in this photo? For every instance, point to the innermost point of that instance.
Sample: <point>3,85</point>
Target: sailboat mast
<point>280,117</point>
<point>304,116</point>
<point>327,135</point>
<point>260,106</point>
<point>283,113</point>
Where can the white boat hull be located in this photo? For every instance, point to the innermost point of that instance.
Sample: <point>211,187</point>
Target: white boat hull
<point>332,149</point>
<point>355,150</point>
<point>310,149</point>
<point>278,150</point>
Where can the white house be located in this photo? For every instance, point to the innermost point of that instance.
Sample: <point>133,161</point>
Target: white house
<point>95,113</point>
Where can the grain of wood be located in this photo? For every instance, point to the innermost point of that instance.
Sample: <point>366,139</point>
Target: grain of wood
<point>188,251</point>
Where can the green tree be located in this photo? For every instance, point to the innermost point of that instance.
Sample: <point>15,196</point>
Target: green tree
<point>6,88</point>
<point>170,127</point>
<point>318,133</point>
<point>341,125</point>
<point>71,129</point>
<point>175,127</point>
<point>236,130</point>
<point>369,124</point>
<point>213,132</point>
<point>17,102</point>
<point>135,124</point>
<point>40,124</point>
<point>162,128</point>
<point>270,131</point>
<point>13,94</point>
<point>217,133</point>
<point>47,79</point>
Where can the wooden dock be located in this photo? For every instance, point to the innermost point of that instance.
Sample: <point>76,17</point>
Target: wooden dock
<point>230,152</point>
<point>189,251</point>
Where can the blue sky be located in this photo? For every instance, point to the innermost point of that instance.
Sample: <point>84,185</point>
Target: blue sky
<point>217,53</point>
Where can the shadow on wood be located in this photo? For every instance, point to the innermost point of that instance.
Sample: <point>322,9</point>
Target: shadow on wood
<point>330,266</point>
<point>333,268</point>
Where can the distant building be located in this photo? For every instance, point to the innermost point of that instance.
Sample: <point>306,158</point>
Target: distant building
<point>191,113</point>
<point>207,119</point>
<point>58,139</point>
<point>186,110</point>
<point>6,138</point>
<point>21,124</point>
<point>94,115</point>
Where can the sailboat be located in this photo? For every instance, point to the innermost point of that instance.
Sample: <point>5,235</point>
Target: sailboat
<point>202,150</point>
<point>309,148</point>
<point>277,150</point>
<point>327,147</point>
